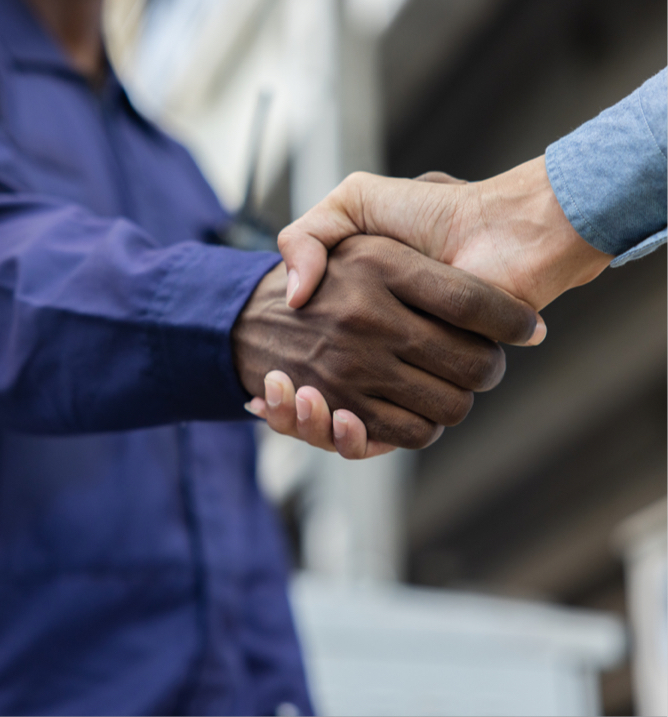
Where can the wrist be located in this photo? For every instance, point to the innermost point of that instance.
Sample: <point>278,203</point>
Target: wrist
<point>254,352</point>
<point>537,253</point>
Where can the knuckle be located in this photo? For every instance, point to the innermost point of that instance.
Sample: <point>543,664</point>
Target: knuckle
<point>486,368</point>
<point>355,179</point>
<point>413,343</point>
<point>457,407</point>
<point>285,238</point>
<point>354,314</point>
<point>351,451</point>
<point>370,253</point>
<point>412,432</point>
<point>465,301</point>
<point>417,432</point>
<point>348,192</point>
<point>522,327</point>
<point>394,264</point>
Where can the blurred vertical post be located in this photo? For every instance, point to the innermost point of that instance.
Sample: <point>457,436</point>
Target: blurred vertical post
<point>336,88</point>
<point>353,523</point>
<point>642,539</point>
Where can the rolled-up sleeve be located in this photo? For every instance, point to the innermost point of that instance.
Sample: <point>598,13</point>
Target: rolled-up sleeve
<point>609,175</point>
<point>102,328</point>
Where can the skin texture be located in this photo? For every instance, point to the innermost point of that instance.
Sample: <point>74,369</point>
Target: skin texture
<point>387,335</point>
<point>509,230</point>
<point>76,27</point>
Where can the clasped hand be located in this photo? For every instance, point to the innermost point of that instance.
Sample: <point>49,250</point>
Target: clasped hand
<point>399,371</point>
<point>398,339</point>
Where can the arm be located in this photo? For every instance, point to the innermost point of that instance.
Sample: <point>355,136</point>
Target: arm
<point>538,230</point>
<point>102,328</point>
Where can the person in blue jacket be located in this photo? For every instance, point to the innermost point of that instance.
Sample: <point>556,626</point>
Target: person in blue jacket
<point>141,571</point>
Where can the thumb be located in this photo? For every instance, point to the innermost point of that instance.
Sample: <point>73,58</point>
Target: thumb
<point>305,243</point>
<point>305,260</point>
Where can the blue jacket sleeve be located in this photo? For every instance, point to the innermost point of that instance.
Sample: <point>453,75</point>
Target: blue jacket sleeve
<point>101,328</point>
<point>609,175</point>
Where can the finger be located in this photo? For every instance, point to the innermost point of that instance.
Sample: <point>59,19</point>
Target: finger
<point>350,438</point>
<point>279,395</point>
<point>349,435</point>
<point>437,434</point>
<point>314,421</point>
<point>461,357</point>
<point>439,178</point>
<point>539,334</point>
<point>393,425</point>
<point>257,407</point>
<point>304,243</point>
<point>306,261</point>
<point>316,426</point>
<point>376,448</point>
<point>428,396</point>
<point>458,297</point>
<point>352,446</point>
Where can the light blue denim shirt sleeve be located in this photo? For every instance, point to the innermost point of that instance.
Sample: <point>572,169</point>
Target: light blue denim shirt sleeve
<point>609,175</point>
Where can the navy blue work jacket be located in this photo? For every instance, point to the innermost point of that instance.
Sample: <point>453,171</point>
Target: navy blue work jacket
<point>141,571</point>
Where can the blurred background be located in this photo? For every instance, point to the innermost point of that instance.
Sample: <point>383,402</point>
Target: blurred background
<point>517,566</point>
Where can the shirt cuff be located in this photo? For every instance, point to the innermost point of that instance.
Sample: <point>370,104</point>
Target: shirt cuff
<point>609,175</point>
<point>196,307</point>
<point>640,250</point>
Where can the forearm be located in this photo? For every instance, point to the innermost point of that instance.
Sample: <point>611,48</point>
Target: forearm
<point>535,231</point>
<point>512,231</point>
<point>102,329</point>
<point>557,221</point>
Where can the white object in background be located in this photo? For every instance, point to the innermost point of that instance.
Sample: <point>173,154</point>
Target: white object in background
<point>314,34</point>
<point>642,540</point>
<point>353,528</point>
<point>284,464</point>
<point>396,650</point>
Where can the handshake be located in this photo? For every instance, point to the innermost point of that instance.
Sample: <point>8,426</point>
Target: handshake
<point>398,295</point>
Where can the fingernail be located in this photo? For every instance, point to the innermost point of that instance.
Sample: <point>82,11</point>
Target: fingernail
<point>293,284</point>
<point>539,333</point>
<point>340,426</point>
<point>273,393</point>
<point>250,408</point>
<point>303,408</point>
